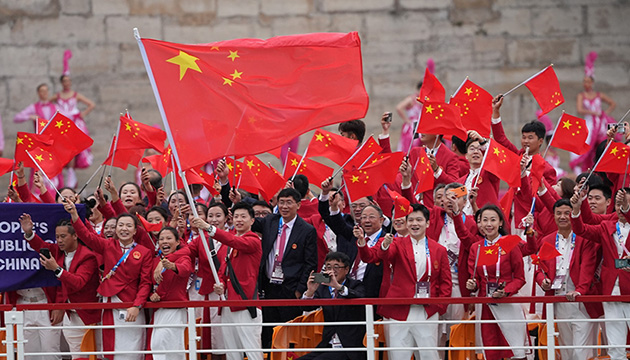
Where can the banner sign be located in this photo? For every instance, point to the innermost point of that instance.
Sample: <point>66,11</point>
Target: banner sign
<point>20,267</point>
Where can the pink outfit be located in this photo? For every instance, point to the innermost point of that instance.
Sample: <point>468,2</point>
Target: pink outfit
<point>44,110</point>
<point>597,126</point>
<point>406,134</point>
<point>68,108</point>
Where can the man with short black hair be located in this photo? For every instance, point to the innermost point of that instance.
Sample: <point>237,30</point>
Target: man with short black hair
<point>353,129</point>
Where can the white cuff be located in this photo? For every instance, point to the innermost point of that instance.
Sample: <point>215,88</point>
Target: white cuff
<point>541,193</point>
<point>383,136</point>
<point>383,247</point>
<point>496,121</point>
<point>30,237</point>
<point>405,187</point>
<point>323,197</point>
<point>344,291</point>
<point>59,275</point>
<point>361,245</point>
<point>307,297</point>
<point>575,216</point>
<point>438,173</point>
<point>334,212</point>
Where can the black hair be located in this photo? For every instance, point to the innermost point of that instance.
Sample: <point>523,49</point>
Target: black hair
<point>130,183</point>
<point>123,215</point>
<point>536,127</point>
<point>562,202</point>
<point>438,187</point>
<point>68,224</point>
<point>139,209</point>
<point>180,193</point>
<point>300,183</point>
<point>172,230</point>
<point>594,180</point>
<point>603,188</point>
<point>567,185</point>
<point>262,203</point>
<point>155,178</point>
<point>160,210</point>
<point>460,144</point>
<point>62,189</point>
<point>338,256</point>
<point>220,205</point>
<point>243,205</point>
<point>356,127</point>
<point>288,192</point>
<point>419,86</point>
<point>204,208</point>
<point>496,209</point>
<point>599,150</point>
<point>63,76</point>
<point>422,208</point>
<point>195,188</point>
<point>469,142</point>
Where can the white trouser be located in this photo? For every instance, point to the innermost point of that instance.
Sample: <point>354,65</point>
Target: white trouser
<point>215,318</point>
<point>453,312</point>
<point>40,340</point>
<point>617,331</point>
<point>128,339</point>
<point>74,337</point>
<point>244,336</point>
<point>575,332</point>
<point>194,295</point>
<point>169,338</point>
<point>514,333</point>
<point>413,335</point>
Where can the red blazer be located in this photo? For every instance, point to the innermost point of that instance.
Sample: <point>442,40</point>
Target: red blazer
<point>195,250</point>
<point>308,208</point>
<point>543,218</point>
<point>487,183</point>
<point>79,283</point>
<point>132,281</point>
<point>400,255</point>
<point>522,202</point>
<point>173,285</point>
<point>245,258</point>
<point>511,270</point>
<point>371,255</point>
<point>464,166</point>
<point>581,270</point>
<point>603,235</point>
<point>588,217</point>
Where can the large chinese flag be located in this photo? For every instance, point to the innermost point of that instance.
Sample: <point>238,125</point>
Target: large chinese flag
<point>441,119</point>
<point>367,180</point>
<point>247,96</point>
<point>331,146</point>
<point>475,105</point>
<point>68,139</point>
<point>570,135</point>
<point>314,171</point>
<point>615,159</point>
<point>136,135</point>
<point>546,89</point>
<point>503,163</point>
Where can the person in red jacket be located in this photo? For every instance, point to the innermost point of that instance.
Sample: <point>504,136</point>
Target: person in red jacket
<point>176,269</point>
<point>420,270</point>
<point>127,279</point>
<point>571,274</point>
<point>239,274</point>
<point>76,267</point>
<point>502,279</point>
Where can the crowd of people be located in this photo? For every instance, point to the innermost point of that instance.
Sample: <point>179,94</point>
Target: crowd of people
<point>137,245</point>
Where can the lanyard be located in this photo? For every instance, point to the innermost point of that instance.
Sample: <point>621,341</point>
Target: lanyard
<point>332,291</point>
<point>558,263</point>
<point>120,261</point>
<point>280,223</point>
<point>374,240</point>
<point>624,249</point>
<point>428,256</point>
<point>498,267</point>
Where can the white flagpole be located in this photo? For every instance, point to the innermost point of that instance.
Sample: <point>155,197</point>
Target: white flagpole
<point>595,166</point>
<point>44,174</point>
<point>109,173</point>
<point>90,179</point>
<point>459,88</point>
<point>49,121</point>
<point>171,140</point>
<point>554,135</point>
<point>524,82</point>
<point>349,159</point>
<point>301,160</point>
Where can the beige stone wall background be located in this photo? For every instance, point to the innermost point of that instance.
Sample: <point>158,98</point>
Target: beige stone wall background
<point>497,43</point>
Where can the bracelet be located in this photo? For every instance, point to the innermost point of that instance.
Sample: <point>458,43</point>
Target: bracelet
<point>20,177</point>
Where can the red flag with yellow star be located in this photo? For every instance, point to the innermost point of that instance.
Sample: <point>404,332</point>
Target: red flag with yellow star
<point>570,135</point>
<point>28,141</point>
<point>235,168</point>
<point>367,180</point>
<point>475,105</point>
<point>136,135</point>
<point>503,163</point>
<point>47,161</point>
<point>431,90</point>
<point>196,176</point>
<point>68,139</point>
<point>423,172</point>
<point>615,158</point>
<point>402,206</point>
<point>6,165</point>
<point>547,252</point>
<point>488,255</point>
<point>368,151</point>
<point>40,124</point>
<point>546,89</point>
<point>247,96</point>
<point>441,119</point>
<point>331,146</point>
<point>123,157</point>
<point>270,180</point>
<point>314,171</point>
<point>161,162</point>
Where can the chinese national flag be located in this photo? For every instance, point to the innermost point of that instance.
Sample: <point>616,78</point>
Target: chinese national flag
<point>431,90</point>
<point>135,135</point>
<point>196,176</point>
<point>423,171</point>
<point>247,96</point>
<point>68,139</point>
<point>235,168</point>
<point>161,162</point>
<point>47,161</point>
<point>367,180</point>
<point>546,89</point>
<point>571,134</point>
<point>149,226</point>
<point>332,146</point>
<point>509,242</point>
<point>488,255</point>
<point>475,105</point>
<point>6,165</point>
<point>402,206</point>
<point>27,141</point>
<point>615,159</point>
<point>547,252</point>
<point>123,158</point>
<point>368,151</point>
<point>270,181</point>
<point>506,202</point>
<point>441,119</point>
<point>503,163</point>
<point>536,172</point>
<point>40,124</point>
<point>249,182</point>
<point>314,171</point>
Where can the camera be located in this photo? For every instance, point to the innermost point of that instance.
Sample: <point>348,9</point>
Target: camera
<point>321,278</point>
<point>388,117</point>
<point>621,128</point>
<point>622,263</point>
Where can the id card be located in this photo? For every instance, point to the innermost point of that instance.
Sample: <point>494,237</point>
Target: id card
<point>558,282</point>
<point>492,286</point>
<point>122,314</point>
<point>335,342</point>
<point>277,276</point>
<point>422,289</point>
<point>198,284</point>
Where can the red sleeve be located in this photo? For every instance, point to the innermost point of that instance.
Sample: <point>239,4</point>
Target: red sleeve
<point>588,267</point>
<point>108,211</point>
<point>146,281</point>
<point>446,283</point>
<point>143,238</point>
<point>499,136</point>
<point>472,258</point>
<point>371,254</point>
<point>25,194</point>
<point>184,267</point>
<point>47,197</point>
<point>77,280</point>
<point>152,197</point>
<point>548,200</point>
<point>91,239</point>
<point>518,273</point>
<point>462,233</point>
<point>37,243</point>
<point>589,232</point>
<point>446,177</point>
<point>248,243</point>
<point>390,253</point>
<point>118,207</point>
<point>385,144</point>
<point>408,194</point>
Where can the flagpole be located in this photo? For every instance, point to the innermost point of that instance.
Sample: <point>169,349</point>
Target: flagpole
<point>44,173</point>
<point>459,88</point>
<point>114,150</point>
<point>286,159</point>
<point>175,155</point>
<point>482,163</point>
<point>90,179</point>
<point>623,117</point>
<point>595,166</point>
<point>524,82</point>
<point>554,135</point>
<point>349,159</point>
<point>173,182</point>
<point>49,121</point>
<point>301,160</point>
<point>413,170</point>
<point>234,172</point>
<point>12,172</point>
<point>111,143</point>
<point>413,137</point>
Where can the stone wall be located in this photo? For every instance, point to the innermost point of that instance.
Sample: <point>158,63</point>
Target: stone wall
<point>497,43</point>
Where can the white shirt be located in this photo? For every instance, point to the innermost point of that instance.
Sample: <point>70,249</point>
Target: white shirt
<point>564,260</point>
<point>272,254</point>
<point>468,209</point>
<point>419,256</point>
<point>620,242</point>
<point>370,240</point>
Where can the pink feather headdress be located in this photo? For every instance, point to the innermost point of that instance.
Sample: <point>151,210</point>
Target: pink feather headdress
<point>431,65</point>
<point>589,64</point>
<point>66,62</point>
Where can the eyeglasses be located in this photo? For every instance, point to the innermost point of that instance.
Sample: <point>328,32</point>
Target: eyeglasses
<point>475,148</point>
<point>261,213</point>
<point>334,267</point>
<point>286,203</point>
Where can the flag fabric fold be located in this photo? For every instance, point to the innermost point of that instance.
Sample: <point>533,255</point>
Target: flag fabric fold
<point>431,89</point>
<point>571,134</point>
<point>615,159</point>
<point>475,105</point>
<point>423,172</point>
<point>331,146</point>
<point>313,170</point>
<point>503,163</point>
<point>545,88</point>
<point>136,135</point>
<point>367,180</point>
<point>402,206</point>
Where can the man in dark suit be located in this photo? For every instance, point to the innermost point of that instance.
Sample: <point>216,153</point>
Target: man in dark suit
<point>337,265</point>
<point>289,255</point>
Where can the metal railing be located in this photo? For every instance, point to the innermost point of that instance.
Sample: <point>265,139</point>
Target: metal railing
<point>15,328</point>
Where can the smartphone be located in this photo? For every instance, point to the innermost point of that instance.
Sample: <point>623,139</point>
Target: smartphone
<point>45,252</point>
<point>622,263</point>
<point>321,278</point>
<point>621,128</point>
<point>389,117</point>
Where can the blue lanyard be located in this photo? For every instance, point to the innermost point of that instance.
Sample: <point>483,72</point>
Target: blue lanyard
<point>374,240</point>
<point>572,241</point>
<point>120,261</point>
<point>426,249</point>
<point>280,223</point>
<point>332,292</point>
<point>498,265</point>
<point>621,244</point>
<point>558,264</point>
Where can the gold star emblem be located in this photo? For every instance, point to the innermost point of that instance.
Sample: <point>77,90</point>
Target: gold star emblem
<point>468,91</point>
<point>236,75</point>
<point>185,62</point>
<point>251,120</point>
<point>233,55</point>
<point>227,81</point>
<point>127,127</point>
<point>42,124</point>
<point>489,252</point>
<point>250,164</point>
<point>566,125</point>
<point>230,167</point>
<point>496,151</point>
<point>614,151</point>
<point>403,208</point>
<point>20,141</point>
<point>319,137</point>
<point>355,178</point>
<point>429,109</point>
<point>39,157</point>
<point>214,48</point>
<point>294,162</point>
<point>59,124</point>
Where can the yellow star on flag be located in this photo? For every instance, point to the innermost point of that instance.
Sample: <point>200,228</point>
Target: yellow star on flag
<point>214,48</point>
<point>59,124</point>
<point>489,252</point>
<point>355,178</point>
<point>185,62</point>
<point>614,151</point>
<point>468,91</point>
<point>319,137</point>
<point>294,162</point>
<point>496,151</point>
<point>566,125</point>
<point>20,141</point>
<point>39,157</point>
<point>236,74</point>
<point>403,208</point>
<point>250,164</point>
<point>128,127</point>
<point>429,109</point>
<point>233,55</point>
<point>227,81</point>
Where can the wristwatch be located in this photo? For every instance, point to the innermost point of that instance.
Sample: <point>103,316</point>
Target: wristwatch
<point>58,270</point>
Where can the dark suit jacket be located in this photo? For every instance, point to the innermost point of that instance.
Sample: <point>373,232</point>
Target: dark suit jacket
<point>300,253</point>
<point>349,335</point>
